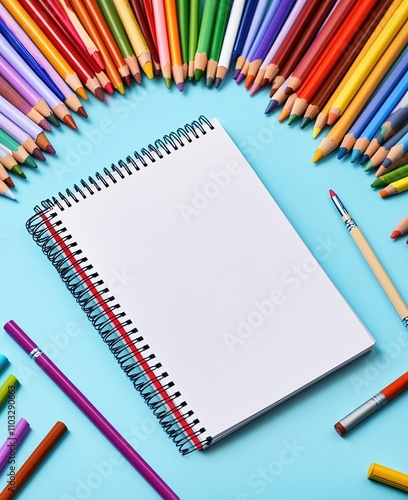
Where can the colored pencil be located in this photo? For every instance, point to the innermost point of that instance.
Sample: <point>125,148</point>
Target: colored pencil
<point>118,31</point>
<point>6,125</point>
<point>162,40</point>
<point>253,29</point>
<point>4,175</point>
<point>150,40</point>
<point>394,175</point>
<point>174,43</point>
<point>9,93</point>
<point>46,47</point>
<point>400,229</point>
<point>18,151</point>
<point>148,9</point>
<point>329,57</point>
<point>73,23</point>
<point>183,21</point>
<point>193,29</point>
<point>244,25</point>
<point>337,133</point>
<point>204,37</point>
<point>381,153</point>
<point>277,44</point>
<point>295,54</point>
<point>19,74</point>
<point>261,36</point>
<point>25,124</point>
<point>394,122</point>
<point>82,63</point>
<point>387,95</point>
<point>331,26</point>
<point>395,187</point>
<point>396,152</point>
<point>233,26</point>
<point>220,26</point>
<point>91,18</point>
<point>266,43</point>
<point>13,440</point>
<point>7,193</point>
<point>374,29</point>
<point>34,460</point>
<point>369,61</point>
<point>135,35</point>
<point>69,97</point>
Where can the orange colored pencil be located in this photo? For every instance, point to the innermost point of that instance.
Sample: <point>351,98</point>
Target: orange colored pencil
<point>174,43</point>
<point>34,460</point>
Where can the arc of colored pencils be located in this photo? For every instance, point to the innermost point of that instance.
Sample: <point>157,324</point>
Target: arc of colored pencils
<point>333,139</point>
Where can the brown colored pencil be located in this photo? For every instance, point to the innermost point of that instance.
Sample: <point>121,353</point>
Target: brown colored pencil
<point>34,461</point>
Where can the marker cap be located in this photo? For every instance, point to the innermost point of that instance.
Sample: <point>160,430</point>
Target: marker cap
<point>388,476</point>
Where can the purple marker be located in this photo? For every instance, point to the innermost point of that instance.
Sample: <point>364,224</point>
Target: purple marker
<point>94,415</point>
<point>8,450</point>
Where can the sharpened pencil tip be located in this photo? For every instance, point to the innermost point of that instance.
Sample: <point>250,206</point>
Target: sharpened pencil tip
<point>383,193</point>
<point>316,132</point>
<point>292,118</point>
<point>180,86</point>
<point>81,111</point>
<point>99,94</point>
<point>332,193</point>
<point>45,125</point>
<point>318,156</point>
<point>218,82</point>
<point>198,73</point>
<point>82,93</point>
<point>364,159</point>
<point>49,149</point>
<point>37,153</point>
<point>53,119</point>
<point>395,234</point>
<point>68,120</point>
<point>342,153</point>
<point>236,73</point>
<point>272,105</point>
<point>109,88</point>
<point>305,122</point>
<point>355,155</point>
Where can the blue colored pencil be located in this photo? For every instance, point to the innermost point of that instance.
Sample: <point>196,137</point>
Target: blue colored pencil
<point>382,152</point>
<point>243,29</point>
<point>256,21</point>
<point>396,119</point>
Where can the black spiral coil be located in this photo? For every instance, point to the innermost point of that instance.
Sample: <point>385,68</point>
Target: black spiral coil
<point>80,278</point>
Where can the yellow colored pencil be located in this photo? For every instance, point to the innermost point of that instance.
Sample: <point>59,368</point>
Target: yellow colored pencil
<point>369,61</point>
<point>135,35</point>
<point>46,47</point>
<point>395,187</point>
<point>342,126</point>
<point>321,120</point>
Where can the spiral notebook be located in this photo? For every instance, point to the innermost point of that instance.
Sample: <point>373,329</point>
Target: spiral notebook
<point>197,282</point>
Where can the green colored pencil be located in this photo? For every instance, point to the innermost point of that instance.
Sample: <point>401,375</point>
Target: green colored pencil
<point>217,39</point>
<point>119,34</point>
<point>183,21</point>
<point>394,175</point>
<point>192,35</point>
<point>204,37</point>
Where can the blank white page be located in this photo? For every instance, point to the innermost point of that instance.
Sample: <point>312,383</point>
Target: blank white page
<point>217,281</point>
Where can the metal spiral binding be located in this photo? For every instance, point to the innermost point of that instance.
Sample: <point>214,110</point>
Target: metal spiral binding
<point>78,275</point>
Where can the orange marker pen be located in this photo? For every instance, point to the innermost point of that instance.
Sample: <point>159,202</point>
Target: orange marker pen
<point>372,405</point>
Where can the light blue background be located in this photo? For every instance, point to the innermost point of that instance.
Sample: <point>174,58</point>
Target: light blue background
<point>295,443</point>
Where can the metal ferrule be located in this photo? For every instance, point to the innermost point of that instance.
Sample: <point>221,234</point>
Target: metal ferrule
<point>339,205</point>
<point>364,411</point>
<point>35,353</point>
<point>405,322</point>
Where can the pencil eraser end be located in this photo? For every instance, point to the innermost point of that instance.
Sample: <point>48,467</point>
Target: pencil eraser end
<point>340,429</point>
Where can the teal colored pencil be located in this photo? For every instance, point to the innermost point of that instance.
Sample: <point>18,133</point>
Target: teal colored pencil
<point>204,37</point>
<point>192,35</point>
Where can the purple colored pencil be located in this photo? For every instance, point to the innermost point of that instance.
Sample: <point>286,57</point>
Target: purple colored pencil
<point>13,440</point>
<point>253,30</point>
<point>243,29</point>
<point>19,118</point>
<point>20,136</point>
<point>94,415</point>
